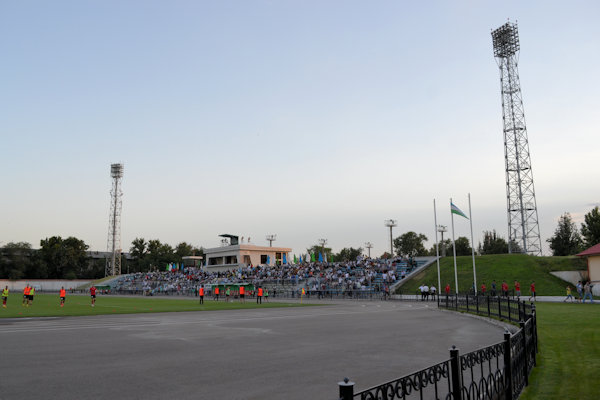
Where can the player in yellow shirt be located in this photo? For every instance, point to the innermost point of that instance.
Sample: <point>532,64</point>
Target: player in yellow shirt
<point>4,296</point>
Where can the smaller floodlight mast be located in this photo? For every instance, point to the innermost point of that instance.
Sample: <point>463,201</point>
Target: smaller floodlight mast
<point>369,246</point>
<point>113,263</point>
<point>391,223</point>
<point>271,239</point>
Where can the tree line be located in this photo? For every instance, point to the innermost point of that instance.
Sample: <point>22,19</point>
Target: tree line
<point>59,258</point>
<point>68,258</point>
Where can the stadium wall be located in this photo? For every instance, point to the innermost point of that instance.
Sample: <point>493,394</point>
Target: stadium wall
<point>45,285</point>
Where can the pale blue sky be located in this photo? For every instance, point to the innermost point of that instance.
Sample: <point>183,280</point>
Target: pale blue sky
<point>308,119</point>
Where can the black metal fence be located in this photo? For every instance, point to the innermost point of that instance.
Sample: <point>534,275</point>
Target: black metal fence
<point>496,372</point>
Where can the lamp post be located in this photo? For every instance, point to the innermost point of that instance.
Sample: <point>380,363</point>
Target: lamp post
<point>369,246</point>
<point>391,223</point>
<point>323,242</point>
<point>441,229</point>
<point>270,239</point>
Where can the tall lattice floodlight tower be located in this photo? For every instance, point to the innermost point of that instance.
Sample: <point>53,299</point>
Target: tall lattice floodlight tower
<point>113,262</point>
<point>523,228</point>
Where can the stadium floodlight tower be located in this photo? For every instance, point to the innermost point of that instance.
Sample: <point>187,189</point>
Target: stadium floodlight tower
<point>391,223</point>
<point>113,263</point>
<point>523,228</point>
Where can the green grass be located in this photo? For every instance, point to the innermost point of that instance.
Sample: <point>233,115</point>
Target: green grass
<point>47,305</point>
<point>569,358</point>
<point>500,267</point>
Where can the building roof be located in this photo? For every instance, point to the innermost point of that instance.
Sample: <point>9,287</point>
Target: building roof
<point>246,247</point>
<point>592,251</point>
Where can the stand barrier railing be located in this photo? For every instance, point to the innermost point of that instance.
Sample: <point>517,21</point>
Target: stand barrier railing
<point>496,372</point>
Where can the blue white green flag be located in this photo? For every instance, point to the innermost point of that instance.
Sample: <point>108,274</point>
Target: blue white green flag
<point>457,211</point>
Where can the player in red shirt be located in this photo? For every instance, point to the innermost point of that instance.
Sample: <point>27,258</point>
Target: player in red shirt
<point>447,289</point>
<point>93,295</point>
<point>517,289</point>
<point>483,289</point>
<point>532,290</point>
<point>504,289</point>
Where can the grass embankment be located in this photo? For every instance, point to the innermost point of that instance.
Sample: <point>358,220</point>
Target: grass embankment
<point>500,267</point>
<point>569,358</point>
<point>47,305</point>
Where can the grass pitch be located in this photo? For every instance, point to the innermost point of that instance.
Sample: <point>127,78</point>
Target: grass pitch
<point>569,358</point>
<point>48,305</point>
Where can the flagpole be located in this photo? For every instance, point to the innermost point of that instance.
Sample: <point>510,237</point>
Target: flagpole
<point>454,248</point>
<point>437,249</point>
<point>472,246</point>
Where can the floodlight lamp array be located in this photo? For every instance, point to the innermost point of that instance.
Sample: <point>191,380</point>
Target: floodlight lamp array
<point>506,40</point>
<point>116,170</point>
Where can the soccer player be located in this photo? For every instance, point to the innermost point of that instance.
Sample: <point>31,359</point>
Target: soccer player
<point>201,294</point>
<point>63,296</point>
<point>260,295</point>
<point>25,295</point>
<point>4,296</point>
<point>93,295</point>
<point>242,294</point>
<point>532,290</point>
<point>31,293</point>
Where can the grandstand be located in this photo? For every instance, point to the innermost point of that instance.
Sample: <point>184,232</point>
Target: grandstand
<point>369,276</point>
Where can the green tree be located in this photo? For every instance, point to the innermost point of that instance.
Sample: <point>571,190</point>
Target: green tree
<point>590,228</point>
<point>138,252</point>
<point>566,240</point>
<point>159,254</point>
<point>463,247</point>
<point>410,244</point>
<point>64,258</point>
<point>348,254</point>
<point>185,249</point>
<point>17,260</point>
<point>493,244</point>
<point>316,249</point>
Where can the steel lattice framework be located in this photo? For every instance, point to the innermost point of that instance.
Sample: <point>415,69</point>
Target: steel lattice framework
<point>113,263</point>
<point>523,228</point>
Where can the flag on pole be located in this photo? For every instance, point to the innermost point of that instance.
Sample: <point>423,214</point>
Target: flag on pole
<point>320,257</point>
<point>284,258</point>
<point>268,260</point>
<point>295,259</point>
<point>313,258</point>
<point>457,211</point>
<point>300,258</point>
<point>168,268</point>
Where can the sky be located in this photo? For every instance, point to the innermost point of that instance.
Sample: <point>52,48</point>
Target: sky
<point>304,119</point>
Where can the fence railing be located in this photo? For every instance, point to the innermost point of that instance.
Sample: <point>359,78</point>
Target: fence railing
<point>496,372</point>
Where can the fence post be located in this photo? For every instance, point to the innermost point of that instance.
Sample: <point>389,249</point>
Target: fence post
<point>508,306</point>
<point>467,297</point>
<point>488,305</point>
<point>456,374</point>
<point>525,353</point>
<point>535,335</point>
<point>500,307</point>
<point>477,303</point>
<point>346,389</point>
<point>531,317</point>
<point>508,394</point>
